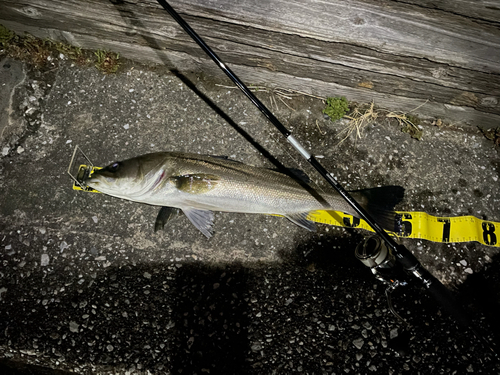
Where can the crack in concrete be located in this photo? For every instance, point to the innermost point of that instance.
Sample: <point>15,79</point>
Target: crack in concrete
<point>12,82</point>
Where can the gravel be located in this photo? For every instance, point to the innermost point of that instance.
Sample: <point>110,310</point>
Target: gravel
<point>86,285</point>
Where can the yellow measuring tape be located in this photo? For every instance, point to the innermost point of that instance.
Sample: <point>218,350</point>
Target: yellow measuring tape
<point>424,226</point>
<point>414,224</point>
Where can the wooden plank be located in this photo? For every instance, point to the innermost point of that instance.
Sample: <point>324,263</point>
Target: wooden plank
<point>479,10</point>
<point>273,54</point>
<point>387,26</point>
<point>460,114</point>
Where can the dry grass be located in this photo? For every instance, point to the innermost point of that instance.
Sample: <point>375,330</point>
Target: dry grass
<point>358,120</point>
<point>408,123</point>
<point>493,134</point>
<point>276,94</point>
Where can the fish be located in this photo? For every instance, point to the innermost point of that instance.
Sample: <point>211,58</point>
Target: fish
<point>198,185</point>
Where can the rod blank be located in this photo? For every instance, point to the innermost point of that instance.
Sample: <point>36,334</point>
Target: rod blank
<point>404,257</point>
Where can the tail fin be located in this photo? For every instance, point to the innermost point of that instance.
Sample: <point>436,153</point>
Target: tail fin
<point>380,202</point>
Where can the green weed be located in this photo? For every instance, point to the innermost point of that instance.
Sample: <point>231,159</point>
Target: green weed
<point>6,36</point>
<point>336,108</point>
<point>107,62</point>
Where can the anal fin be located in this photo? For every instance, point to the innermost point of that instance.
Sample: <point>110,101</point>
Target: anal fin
<point>201,219</point>
<point>301,220</point>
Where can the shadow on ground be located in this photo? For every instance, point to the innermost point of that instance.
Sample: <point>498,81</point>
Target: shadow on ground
<point>481,295</point>
<point>304,313</point>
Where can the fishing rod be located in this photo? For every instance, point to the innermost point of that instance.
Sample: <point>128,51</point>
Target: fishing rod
<point>401,254</point>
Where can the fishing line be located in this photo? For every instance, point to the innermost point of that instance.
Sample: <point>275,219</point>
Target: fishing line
<point>404,257</point>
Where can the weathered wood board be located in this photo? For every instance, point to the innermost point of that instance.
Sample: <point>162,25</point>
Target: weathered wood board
<point>399,54</point>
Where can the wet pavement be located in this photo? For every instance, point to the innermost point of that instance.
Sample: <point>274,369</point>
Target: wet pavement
<point>87,286</point>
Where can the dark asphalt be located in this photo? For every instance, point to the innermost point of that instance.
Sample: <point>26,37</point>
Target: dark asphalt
<point>86,285</point>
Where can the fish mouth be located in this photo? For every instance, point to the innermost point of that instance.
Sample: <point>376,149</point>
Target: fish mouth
<point>91,181</point>
<point>99,177</point>
<point>100,184</point>
<point>94,180</point>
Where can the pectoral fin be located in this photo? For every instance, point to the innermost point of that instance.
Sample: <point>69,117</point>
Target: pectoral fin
<point>196,183</point>
<point>301,220</point>
<point>201,219</point>
<point>164,216</point>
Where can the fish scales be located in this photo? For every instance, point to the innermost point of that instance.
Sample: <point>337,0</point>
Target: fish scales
<point>199,184</point>
<point>244,188</point>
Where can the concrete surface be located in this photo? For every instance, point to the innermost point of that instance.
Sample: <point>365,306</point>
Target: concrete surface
<point>87,286</point>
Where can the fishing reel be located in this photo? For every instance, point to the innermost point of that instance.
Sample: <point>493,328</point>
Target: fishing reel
<point>374,254</point>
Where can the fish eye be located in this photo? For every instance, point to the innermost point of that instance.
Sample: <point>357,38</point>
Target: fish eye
<point>114,167</point>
